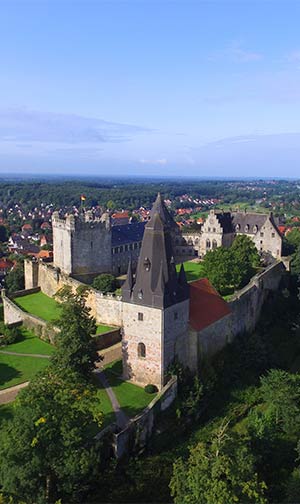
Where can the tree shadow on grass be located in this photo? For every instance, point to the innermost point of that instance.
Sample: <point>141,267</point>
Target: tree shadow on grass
<point>7,373</point>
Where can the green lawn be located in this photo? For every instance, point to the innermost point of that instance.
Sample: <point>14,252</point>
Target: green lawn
<point>40,305</point>
<point>103,328</point>
<point>30,344</point>
<point>132,399</point>
<point>193,270</point>
<point>15,370</point>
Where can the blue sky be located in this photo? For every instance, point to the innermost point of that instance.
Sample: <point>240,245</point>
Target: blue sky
<point>150,87</point>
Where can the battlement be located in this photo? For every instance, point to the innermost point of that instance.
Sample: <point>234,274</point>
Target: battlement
<point>81,222</point>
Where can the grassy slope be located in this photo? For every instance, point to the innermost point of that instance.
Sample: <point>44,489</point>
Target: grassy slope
<point>40,305</point>
<point>15,370</point>
<point>29,344</point>
<point>193,270</point>
<point>132,399</point>
<point>103,328</point>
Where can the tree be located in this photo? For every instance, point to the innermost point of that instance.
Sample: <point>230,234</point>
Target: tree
<point>280,392</point>
<point>75,347</point>
<point>15,278</point>
<point>218,265</point>
<point>221,471</point>
<point>45,449</point>
<point>105,283</point>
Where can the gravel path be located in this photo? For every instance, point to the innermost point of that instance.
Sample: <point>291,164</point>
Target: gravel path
<point>9,394</point>
<point>121,418</point>
<point>40,356</point>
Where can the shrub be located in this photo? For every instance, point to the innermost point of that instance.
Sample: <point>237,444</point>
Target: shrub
<point>105,283</point>
<point>9,334</point>
<point>150,389</point>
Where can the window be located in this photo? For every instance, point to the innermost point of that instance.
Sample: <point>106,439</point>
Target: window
<point>135,246</point>
<point>214,244</point>
<point>237,227</point>
<point>141,351</point>
<point>121,248</point>
<point>207,244</point>
<point>261,235</point>
<point>140,316</point>
<point>214,230</point>
<point>175,315</point>
<point>273,235</point>
<point>246,228</point>
<point>130,246</point>
<point>255,229</point>
<point>126,248</point>
<point>208,229</point>
<point>91,244</point>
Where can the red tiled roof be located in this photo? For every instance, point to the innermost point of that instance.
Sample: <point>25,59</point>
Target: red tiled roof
<point>6,264</point>
<point>27,226</point>
<point>206,305</point>
<point>46,225</point>
<point>120,215</point>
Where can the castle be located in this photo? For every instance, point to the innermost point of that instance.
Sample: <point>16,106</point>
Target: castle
<point>85,246</point>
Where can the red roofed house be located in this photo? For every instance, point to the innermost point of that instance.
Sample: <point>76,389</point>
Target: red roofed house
<point>5,266</point>
<point>120,218</point>
<point>27,228</point>
<point>46,225</point>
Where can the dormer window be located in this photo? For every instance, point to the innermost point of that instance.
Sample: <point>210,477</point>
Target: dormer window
<point>140,294</point>
<point>255,229</point>
<point>237,227</point>
<point>147,264</point>
<point>246,228</point>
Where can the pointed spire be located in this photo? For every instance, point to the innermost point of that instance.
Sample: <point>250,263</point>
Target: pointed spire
<point>128,284</point>
<point>182,276</point>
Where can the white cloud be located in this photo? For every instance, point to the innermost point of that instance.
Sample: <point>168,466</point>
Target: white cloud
<point>23,125</point>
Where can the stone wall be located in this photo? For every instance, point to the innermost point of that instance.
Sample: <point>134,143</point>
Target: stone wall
<point>14,314</point>
<point>107,309</point>
<point>246,308</point>
<point>139,430</point>
<point>107,339</point>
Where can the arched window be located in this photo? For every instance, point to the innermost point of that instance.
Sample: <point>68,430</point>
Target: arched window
<point>246,228</point>
<point>208,244</point>
<point>141,350</point>
<point>190,241</point>
<point>214,244</point>
<point>197,241</point>
<point>255,229</point>
<point>237,228</point>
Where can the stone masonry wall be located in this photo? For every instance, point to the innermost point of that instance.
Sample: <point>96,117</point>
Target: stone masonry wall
<point>246,308</point>
<point>137,433</point>
<point>105,308</point>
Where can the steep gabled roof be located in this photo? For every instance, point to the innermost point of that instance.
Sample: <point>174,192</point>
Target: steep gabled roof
<point>157,283</point>
<point>206,305</point>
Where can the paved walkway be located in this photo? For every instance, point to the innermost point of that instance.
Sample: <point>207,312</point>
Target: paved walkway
<point>121,418</point>
<point>25,354</point>
<point>9,394</point>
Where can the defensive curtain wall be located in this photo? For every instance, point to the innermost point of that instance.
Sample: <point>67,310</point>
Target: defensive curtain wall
<point>246,306</point>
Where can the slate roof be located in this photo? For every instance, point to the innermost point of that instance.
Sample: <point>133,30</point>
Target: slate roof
<point>127,233</point>
<point>225,219</point>
<point>206,305</point>
<point>160,208</point>
<point>157,283</point>
<point>251,219</point>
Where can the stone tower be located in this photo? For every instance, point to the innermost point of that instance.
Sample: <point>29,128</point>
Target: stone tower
<point>155,306</point>
<point>82,245</point>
